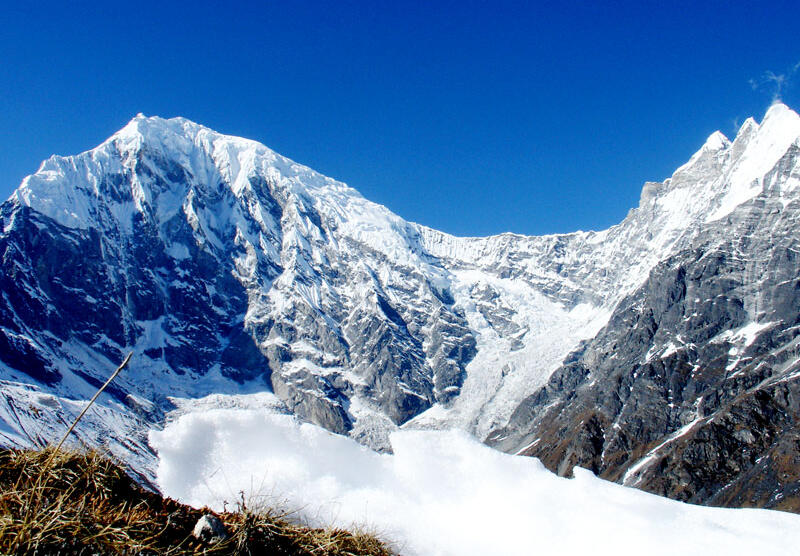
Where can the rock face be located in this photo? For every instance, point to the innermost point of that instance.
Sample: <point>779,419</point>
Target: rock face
<point>659,352</point>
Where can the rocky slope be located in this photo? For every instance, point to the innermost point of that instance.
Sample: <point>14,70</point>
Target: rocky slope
<point>229,269</point>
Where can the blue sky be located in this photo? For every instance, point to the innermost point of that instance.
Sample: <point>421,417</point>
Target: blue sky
<point>470,117</point>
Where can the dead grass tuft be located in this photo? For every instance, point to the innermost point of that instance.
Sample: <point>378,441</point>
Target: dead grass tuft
<point>59,502</point>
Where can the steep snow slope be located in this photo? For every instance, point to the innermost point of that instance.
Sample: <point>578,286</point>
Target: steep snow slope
<point>227,268</point>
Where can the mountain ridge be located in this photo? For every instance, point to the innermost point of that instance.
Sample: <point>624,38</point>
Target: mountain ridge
<point>231,269</point>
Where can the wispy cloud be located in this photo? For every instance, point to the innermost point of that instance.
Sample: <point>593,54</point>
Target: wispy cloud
<point>775,84</point>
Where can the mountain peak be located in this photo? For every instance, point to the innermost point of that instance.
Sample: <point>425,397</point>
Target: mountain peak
<point>747,128</point>
<point>780,120</point>
<point>717,141</point>
<point>149,127</point>
<point>711,153</point>
<point>778,109</point>
<point>756,150</point>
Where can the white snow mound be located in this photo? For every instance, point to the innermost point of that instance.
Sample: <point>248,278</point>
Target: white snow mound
<point>441,492</point>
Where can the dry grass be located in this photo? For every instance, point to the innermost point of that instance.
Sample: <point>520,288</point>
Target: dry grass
<point>82,503</point>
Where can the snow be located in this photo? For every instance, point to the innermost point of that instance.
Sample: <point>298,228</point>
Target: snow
<point>748,333</point>
<point>717,141</point>
<point>258,400</point>
<point>501,375</point>
<point>441,492</point>
<point>777,132</point>
<point>740,339</point>
<point>633,476</point>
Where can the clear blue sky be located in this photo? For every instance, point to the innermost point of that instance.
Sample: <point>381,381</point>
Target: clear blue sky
<point>470,117</point>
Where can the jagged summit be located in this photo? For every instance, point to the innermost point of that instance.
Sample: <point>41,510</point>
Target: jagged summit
<point>122,170</point>
<point>724,174</point>
<point>716,141</point>
<point>179,133</point>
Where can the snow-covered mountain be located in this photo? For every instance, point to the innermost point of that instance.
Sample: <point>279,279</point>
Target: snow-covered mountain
<point>692,389</point>
<point>229,269</point>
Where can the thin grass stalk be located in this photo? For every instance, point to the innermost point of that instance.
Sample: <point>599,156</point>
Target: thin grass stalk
<point>85,409</point>
<point>36,492</point>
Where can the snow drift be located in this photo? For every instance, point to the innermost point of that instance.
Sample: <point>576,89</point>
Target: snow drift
<point>441,492</point>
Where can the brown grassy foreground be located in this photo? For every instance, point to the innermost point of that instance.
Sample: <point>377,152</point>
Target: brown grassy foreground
<point>83,503</point>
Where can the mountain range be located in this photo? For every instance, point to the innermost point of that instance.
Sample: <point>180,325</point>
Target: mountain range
<point>661,353</point>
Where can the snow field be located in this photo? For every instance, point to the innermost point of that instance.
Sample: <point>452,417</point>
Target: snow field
<point>440,492</point>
